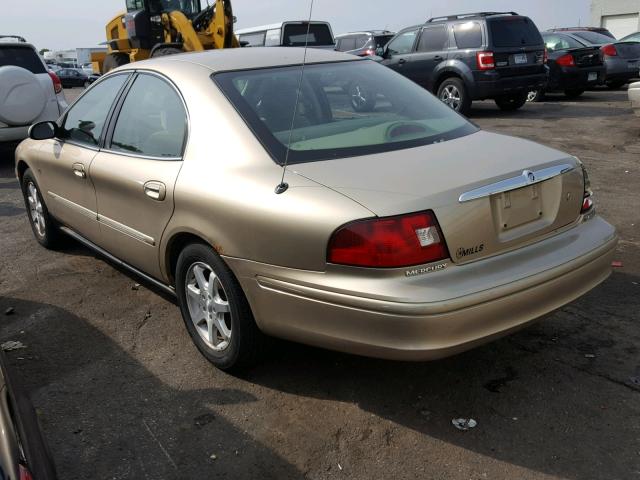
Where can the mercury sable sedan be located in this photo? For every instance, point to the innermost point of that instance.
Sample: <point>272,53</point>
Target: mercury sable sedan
<point>402,232</point>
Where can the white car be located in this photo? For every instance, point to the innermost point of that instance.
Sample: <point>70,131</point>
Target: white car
<point>29,91</point>
<point>634,97</point>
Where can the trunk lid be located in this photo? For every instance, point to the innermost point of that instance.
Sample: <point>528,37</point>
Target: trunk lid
<point>436,176</point>
<point>587,57</point>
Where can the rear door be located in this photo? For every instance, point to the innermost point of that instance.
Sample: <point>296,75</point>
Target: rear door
<point>431,51</point>
<point>517,45</point>
<point>134,176</point>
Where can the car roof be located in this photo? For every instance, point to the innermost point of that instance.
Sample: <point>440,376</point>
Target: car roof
<point>250,58</point>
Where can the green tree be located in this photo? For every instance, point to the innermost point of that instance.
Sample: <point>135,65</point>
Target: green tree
<point>43,51</point>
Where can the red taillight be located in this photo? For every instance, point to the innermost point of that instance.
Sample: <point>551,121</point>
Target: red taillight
<point>400,241</point>
<point>566,61</point>
<point>24,473</point>
<point>587,199</point>
<point>57,84</point>
<point>609,50</point>
<point>368,53</point>
<point>545,56</point>
<point>485,60</point>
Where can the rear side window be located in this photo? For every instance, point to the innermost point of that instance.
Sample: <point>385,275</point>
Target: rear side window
<point>152,120</point>
<point>468,35</point>
<point>346,44</point>
<point>433,39</point>
<point>86,119</point>
<point>403,43</point>
<point>382,40</point>
<point>24,57</point>
<point>514,31</point>
<point>295,35</point>
<point>555,42</point>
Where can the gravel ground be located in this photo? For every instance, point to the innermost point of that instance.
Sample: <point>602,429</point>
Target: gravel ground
<point>122,393</point>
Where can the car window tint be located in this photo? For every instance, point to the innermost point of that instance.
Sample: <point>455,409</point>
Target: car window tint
<point>433,39</point>
<point>594,38</point>
<point>24,57</point>
<point>555,42</point>
<point>300,34</point>
<point>403,43</point>
<point>468,35</point>
<point>513,31</point>
<point>152,120</point>
<point>346,44</point>
<point>86,119</point>
<point>382,40</point>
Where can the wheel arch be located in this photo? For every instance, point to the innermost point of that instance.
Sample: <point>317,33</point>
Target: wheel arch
<point>175,244</point>
<point>455,70</point>
<point>21,167</point>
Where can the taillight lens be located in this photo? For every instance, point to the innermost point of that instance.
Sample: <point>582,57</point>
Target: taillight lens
<point>57,84</point>
<point>368,53</point>
<point>566,61</point>
<point>609,50</point>
<point>24,473</point>
<point>399,241</point>
<point>587,199</point>
<point>485,60</point>
<point>545,56</point>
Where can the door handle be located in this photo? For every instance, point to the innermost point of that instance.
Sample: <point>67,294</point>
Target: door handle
<point>78,170</point>
<point>155,190</point>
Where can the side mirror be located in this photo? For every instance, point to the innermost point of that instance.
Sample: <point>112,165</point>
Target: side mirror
<point>43,131</point>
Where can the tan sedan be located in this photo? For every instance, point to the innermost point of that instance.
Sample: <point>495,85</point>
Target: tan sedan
<point>401,230</point>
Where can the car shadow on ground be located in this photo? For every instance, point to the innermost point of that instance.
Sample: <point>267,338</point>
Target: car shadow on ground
<point>112,418</point>
<point>523,390</point>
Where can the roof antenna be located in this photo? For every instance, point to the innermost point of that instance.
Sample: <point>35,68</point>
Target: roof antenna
<point>282,186</point>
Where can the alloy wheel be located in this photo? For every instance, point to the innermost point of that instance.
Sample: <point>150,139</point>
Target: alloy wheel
<point>450,95</point>
<point>208,306</point>
<point>35,209</point>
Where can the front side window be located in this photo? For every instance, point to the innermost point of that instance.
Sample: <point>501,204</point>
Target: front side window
<point>468,35</point>
<point>86,119</point>
<point>152,120</point>
<point>433,39</point>
<point>345,109</point>
<point>403,43</point>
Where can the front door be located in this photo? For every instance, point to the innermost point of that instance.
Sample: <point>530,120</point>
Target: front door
<point>399,53</point>
<point>134,176</point>
<point>64,178</point>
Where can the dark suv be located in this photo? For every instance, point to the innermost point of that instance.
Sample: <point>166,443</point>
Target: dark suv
<point>473,56</point>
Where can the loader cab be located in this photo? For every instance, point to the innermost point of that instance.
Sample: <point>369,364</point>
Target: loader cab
<point>154,7</point>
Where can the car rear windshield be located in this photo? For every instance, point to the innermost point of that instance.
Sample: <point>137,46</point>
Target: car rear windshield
<point>345,109</point>
<point>594,38</point>
<point>24,57</point>
<point>296,33</point>
<point>514,32</point>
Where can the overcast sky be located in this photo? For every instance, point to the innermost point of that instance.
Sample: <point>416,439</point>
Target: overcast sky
<point>80,23</point>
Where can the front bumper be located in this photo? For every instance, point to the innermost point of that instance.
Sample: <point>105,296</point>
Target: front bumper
<point>491,85</point>
<point>435,315</point>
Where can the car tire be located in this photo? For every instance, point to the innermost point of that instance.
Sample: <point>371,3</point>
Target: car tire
<point>615,84</point>
<point>114,60</point>
<point>42,224</point>
<point>453,93</point>
<point>215,310</point>
<point>164,51</point>
<point>362,99</point>
<point>510,103</point>
<point>573,93</point>
<point>535,96</point>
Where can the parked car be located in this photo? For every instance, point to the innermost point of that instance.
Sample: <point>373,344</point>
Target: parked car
<point>621,58</point>
<point>384,239</point>
<point>73,77</point>
<point>24,454</point>
<point>28,91</point>
<point>600,30</point>
<point>363,44</point>
<point>87,68</point>
<point>634,97</point>
<point>573,68</point>
<point>634,37</point>
<point>468,57</point>
<point>288,34</point>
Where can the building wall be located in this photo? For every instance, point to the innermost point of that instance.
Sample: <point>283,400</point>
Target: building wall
<point>602,8</point>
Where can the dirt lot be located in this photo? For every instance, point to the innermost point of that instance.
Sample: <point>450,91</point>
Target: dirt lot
<point>122,393</point>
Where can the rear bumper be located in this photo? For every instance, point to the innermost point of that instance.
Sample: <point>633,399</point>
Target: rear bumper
<point>12,134</point>
<point>491,85</point>
<point>575,78</point>
<point>618,69</point>
<point>443,313</point>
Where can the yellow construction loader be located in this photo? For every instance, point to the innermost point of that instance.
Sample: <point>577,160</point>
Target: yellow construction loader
<point>152,28</point>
